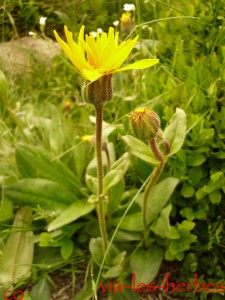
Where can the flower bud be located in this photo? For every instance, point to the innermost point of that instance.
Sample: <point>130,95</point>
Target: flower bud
<point>145,123</point>
<point>99,91</point>
<point>126,23</point>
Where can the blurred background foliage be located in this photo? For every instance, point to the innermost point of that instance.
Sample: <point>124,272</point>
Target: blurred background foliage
<point>189,39</point>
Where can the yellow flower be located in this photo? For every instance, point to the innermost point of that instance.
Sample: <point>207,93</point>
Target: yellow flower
<point>95,58</point>
<point>126,18</point>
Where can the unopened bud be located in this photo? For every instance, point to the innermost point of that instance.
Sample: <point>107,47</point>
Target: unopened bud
<point>126,23</point>
<point>145,123</point>
<point>99,91</point>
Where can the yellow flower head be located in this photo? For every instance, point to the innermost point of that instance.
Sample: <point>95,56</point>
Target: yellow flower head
<point>126,18</point>
<point>96,57</point>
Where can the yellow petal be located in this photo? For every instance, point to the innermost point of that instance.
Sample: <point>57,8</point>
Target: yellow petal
<point>92,75</point>
<point>92,51</point>
<point>90,54</point>
<point>77,55</point>
<point>116,59</point>
<point>116,38</point>
<point>80,37</point>
<point>63,45</point>
<point>141,64</point>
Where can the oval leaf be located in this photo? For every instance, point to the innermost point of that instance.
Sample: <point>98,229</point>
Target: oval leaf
<point>158,197</point>
<point>41,290</point>
<point>162,224</point>
<point>17,257</point>
<point>131,222</point>
<point>111,179</point>
<point>139,149</point>
<point>49,195</point>
<point>38,163</point>
<point>145,264</point>
<point>175,132</point>
<point>78,209</point>
<point>97,253</point>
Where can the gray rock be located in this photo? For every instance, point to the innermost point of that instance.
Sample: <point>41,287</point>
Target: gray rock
<point>23,54</point>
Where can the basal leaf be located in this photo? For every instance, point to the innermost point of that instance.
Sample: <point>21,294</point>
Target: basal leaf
<point>78,209</point>
<point>162,224</point>
<point>41,290</point>
<point>34,162</point>
<point>16,261</point>
<point>131,222</point>
<point>96,250</point>
<point>145,263</point>
<point>49,195</point>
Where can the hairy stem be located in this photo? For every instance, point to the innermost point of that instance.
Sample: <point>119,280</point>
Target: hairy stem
<point>100,175</point>
<point>155,175</point>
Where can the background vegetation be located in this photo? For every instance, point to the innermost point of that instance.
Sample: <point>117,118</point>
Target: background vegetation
<point>43,108</point>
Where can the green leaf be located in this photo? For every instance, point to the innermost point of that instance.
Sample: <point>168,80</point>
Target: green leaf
<point>187,190</point>
<point>111,179</point>
<point>17,257</point>
<point>188,213</point>
<point>217,181</point>
<point>47,240</point>
<point>66,248</point>
<point>78,209</point>
<point>49,195</point>
<point>186,226</point>
<point>158,197</point>
<point>215,197</point>
<point>6,210</point>
<point>162,224</point>
<point>124,236</point>
<point>56,134</point>
<point>3,85</point>
<point>37,163</point>
<point>86,292</point>
<point>200,194</point>
<point>117,267</point>
<point>131,222</point>
<point>96,250</point>
<point>175,132</point>
<point>41,290</point>
<point>116,194</point>
<point>194,175</point>
<point>139,149</point>
<point>195,159</point>
<point>145,264</point>
<point>122,163</point>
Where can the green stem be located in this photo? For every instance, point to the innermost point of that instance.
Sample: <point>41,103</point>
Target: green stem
<point>109,219</point>
<point>155,175</point>
<point>100,175</point>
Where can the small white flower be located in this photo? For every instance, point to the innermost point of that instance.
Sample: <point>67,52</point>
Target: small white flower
<point>31,33</point>
<point>116,23</point>
<point>94,33</point>
<point>129,7</point>
<point>99,30</point>
<point>42,20</point>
